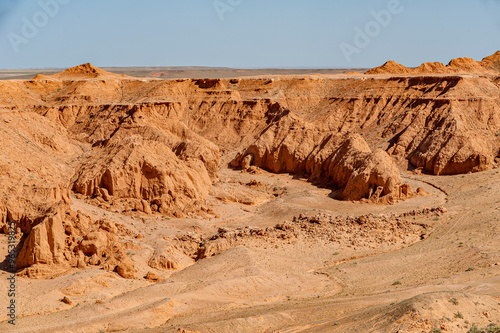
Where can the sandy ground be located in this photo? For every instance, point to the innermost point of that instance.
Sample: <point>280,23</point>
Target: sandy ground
<point>303,285</point>
<point>275,253</point>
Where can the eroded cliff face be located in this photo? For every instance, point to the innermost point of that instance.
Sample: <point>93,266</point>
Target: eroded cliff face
<point>444,124</point>
<point>345,161</point>
<point>156,145</point>
<point>143,160</point>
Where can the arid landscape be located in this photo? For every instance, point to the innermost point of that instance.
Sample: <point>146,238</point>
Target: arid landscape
<point>157,200</point>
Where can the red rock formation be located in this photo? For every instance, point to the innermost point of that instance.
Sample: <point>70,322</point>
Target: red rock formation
<point>346,161</point>
<point>492,62</point>
<point>153,145</point>
<point>455,66</point>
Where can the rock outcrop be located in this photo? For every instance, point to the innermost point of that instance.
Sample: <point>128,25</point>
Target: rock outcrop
<point>45,244</point>
<point>81,72</point>
<point>390,67</point>
<point>73,240</point>
<point>492,61</point>
<point>346,161</point>
<point>360,231</point>
<point>448,122</point>
<point>170,258</point>
<point>155,146</point>
<point>151,165</point>
<point>489,65</point>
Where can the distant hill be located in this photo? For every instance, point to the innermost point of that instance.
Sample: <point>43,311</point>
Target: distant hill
<point>489,64</point>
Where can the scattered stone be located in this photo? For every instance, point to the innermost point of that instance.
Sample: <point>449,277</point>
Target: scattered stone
<point>152,277</point>
<point>66,300</point>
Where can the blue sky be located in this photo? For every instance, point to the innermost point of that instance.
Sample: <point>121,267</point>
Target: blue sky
<point>245,33</point>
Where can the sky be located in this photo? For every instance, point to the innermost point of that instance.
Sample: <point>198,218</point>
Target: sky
<point>245,33</point>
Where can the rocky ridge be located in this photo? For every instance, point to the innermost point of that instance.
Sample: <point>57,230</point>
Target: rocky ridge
<point>155,146</point>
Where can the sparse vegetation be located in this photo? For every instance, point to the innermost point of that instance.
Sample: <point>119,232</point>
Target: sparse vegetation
<point>491,328</point>
<point>459,315</point>
<point>453,301</point>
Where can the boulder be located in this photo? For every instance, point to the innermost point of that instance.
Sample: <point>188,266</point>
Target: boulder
<point>94,243</point>
<point>45,244</point>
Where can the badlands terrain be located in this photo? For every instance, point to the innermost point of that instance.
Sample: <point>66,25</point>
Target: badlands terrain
<point>317,202</point>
